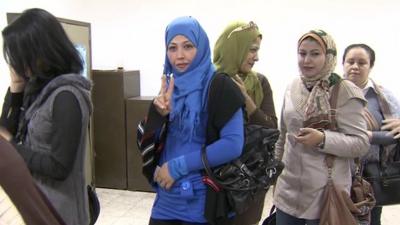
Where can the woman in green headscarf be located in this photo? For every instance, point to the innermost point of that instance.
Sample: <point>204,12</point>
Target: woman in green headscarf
<point>235,53</point>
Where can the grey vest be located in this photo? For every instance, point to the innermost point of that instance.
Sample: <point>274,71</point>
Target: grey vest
<point>68,196</point>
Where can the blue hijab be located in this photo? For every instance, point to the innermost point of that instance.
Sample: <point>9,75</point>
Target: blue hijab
<point>191,86</point>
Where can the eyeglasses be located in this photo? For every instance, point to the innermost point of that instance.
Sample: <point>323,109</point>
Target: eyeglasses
<point>250,25</point>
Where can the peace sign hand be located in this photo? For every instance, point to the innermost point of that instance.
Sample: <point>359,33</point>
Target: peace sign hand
<point>163,101</point>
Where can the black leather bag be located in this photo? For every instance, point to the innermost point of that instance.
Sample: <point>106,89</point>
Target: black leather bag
<point>254,171</point>
<point>385,181</point>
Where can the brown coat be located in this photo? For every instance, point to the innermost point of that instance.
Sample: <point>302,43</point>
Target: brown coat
<point>264,115</point>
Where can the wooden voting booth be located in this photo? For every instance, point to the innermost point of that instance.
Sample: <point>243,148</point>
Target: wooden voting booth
<point>118,108</point>
<point>110,91</point>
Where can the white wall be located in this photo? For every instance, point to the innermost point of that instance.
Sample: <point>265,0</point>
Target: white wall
<point>130,33</point>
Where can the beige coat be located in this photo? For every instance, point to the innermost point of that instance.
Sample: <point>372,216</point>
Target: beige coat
<point>300,187</point>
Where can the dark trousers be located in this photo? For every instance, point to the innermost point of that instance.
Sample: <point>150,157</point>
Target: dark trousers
<point>376,216</point>
<point>172,222</point>
<point>283,218</point>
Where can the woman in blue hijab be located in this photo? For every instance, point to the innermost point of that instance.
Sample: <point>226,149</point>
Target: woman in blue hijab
<point>192,98</point>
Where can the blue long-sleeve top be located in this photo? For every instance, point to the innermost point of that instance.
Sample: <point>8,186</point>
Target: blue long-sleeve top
<point>220,129</point>
<point>186,199</point>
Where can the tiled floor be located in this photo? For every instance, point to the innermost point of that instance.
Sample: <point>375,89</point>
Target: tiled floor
<point>120,207</point>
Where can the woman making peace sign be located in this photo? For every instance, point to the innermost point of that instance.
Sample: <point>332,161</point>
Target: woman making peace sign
<point>191,98</point>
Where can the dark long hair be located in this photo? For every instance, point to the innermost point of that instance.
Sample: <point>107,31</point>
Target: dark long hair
<point>36,46</point>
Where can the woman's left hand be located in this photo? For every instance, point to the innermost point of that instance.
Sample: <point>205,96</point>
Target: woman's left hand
<point>163,178</point>
<point>309,137</point>
<point>393,126</point>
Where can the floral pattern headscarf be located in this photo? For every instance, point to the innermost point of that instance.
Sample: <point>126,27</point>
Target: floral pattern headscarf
<point>318,100</point>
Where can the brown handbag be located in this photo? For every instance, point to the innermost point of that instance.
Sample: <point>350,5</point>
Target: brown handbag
<point>339,207</point>
<point>363,196</point>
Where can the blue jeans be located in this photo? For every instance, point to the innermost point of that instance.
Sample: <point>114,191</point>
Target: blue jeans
<point>283,218</point>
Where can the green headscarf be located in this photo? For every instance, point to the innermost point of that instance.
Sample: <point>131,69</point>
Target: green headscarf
<point>231,49</point>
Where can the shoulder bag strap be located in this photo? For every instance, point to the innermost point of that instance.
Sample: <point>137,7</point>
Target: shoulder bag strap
<point>372,123</point>
<point>329,159</point>
<point>384,105</point>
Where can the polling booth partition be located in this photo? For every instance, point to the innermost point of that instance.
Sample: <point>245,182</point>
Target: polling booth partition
<point>118,107</point>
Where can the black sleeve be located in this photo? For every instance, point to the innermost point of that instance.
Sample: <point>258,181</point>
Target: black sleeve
<point>11,111</point>
<point>67,125</point>
<point>154,120</point>
<point>224,99</point>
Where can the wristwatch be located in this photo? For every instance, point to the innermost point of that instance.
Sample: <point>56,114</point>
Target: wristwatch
<point>322,144</point>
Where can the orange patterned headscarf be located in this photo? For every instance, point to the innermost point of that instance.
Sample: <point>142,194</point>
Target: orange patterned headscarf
<point>318,101</point>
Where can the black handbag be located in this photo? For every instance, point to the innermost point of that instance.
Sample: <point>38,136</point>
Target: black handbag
<point>271,219</point>
<point>253,172</point>
<point>384,176</point>
<point>94,205</point>
<point>385,180</point>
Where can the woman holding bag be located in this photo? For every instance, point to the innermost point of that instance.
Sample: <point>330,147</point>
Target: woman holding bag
<point>306,137</point>
<point>235,53</point>
<point>383,109</point>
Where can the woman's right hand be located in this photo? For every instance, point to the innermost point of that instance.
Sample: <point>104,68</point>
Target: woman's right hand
<point>310,137</point>
<point>163,101</point>
<point>162,177</point>
<point>250,105</point>
<point>17,82</point>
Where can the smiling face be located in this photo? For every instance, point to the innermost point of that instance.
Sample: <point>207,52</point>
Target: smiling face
<point>311,58</point>
<point>181,52</point>
<point>251,58</point>
<point>357,66</point>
